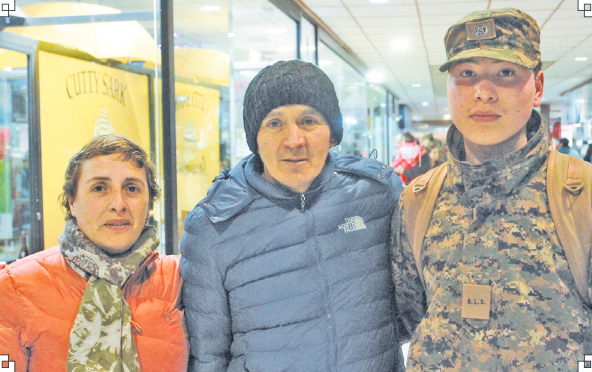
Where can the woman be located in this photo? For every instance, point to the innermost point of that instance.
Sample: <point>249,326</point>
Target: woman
<point>409,156</point>
<point>102,300</point>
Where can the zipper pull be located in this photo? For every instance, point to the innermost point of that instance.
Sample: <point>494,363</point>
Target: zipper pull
<point>136,327</point>
<point>302,202</point>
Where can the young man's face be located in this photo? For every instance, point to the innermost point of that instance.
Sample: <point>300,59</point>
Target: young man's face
<point>294,141</point>
<point>491,101</point>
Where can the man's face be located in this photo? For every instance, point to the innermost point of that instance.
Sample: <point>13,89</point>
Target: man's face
<point>491,101</point>
<point>294,141</point>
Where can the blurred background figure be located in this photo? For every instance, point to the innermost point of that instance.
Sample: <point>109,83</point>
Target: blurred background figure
<point>588,153</point>
<point>434,157</point>
<point>564,148</point>
<point>409,155</point>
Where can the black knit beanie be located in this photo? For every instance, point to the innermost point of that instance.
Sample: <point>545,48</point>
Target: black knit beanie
<point>290,83</point>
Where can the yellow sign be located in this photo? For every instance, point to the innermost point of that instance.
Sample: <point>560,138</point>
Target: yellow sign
<point>80,100</point>
<point>198,144</point>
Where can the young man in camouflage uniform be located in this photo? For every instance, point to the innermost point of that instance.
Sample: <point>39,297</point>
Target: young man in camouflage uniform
<point>499,295</point>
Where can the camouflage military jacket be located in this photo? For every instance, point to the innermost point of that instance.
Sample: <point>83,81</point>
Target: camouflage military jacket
<point>491,226</point>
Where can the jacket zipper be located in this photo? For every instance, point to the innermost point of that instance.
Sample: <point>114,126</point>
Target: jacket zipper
<point>302,202</point>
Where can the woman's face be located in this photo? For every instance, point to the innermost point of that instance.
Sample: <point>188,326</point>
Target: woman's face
<point>435,154</point>
<point>111,202</point>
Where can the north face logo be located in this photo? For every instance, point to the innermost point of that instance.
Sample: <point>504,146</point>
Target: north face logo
<point>352,224</point>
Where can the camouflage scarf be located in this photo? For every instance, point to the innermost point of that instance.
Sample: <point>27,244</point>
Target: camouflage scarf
<point>101,338</point>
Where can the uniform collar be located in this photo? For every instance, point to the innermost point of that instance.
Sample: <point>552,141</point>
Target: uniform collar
<point>483,184</point>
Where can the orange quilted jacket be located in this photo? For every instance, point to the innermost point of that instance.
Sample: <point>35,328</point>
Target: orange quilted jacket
<point>39,300</point>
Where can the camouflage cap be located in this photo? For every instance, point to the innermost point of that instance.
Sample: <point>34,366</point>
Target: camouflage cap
<point>507,34</point>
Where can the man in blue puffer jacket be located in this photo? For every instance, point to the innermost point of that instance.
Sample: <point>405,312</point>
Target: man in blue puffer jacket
<point>285,262</point>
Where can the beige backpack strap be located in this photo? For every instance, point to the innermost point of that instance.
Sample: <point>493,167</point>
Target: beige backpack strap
<point>569,189</point>
<point>421,195</point>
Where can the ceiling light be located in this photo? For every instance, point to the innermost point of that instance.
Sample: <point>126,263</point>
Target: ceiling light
<point>581,59</point>
<point>276,31</point>
<point>416,85</point>
<point>424,103</point>
<point>374,77</point>
<point>7,69</point>
<point>62,27</point>
<point>350,120</point>
<point>325,63</point>
<point>400,44</point>
<point>446,116</point>
<point>231,34</point>
<point>283,49</point>
<point>210,8</point>
<point>383,104</point>
<point>379,1</point>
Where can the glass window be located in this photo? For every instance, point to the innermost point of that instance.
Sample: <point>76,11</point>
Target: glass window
<point>307,41</point>
<point>15,202</point>
<point>351,92</point>
<point>262,35</point>
<point>89,88</point>
<point>202,73</point>
<point>377,121</point>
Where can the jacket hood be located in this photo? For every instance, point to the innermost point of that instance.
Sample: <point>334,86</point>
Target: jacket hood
<point>236,188</point>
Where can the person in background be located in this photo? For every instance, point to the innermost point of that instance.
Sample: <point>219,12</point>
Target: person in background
<point>588,153</point>
<point>490,288</point>
<point>429,161</point>
<point>102,300</point>
<point>436,154</point>
<point>409,155</point>
<point>286,261</point>
<point>564,148</point>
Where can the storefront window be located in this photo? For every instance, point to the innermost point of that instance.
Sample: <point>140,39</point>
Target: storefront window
<point>96,70</point>
<point>202,73</point>
<point>262,35</point>
<point>576,123</point>
<point>351,92</point>
<point>377,120</point>
<point>307,41</point>
<point>15,202</point>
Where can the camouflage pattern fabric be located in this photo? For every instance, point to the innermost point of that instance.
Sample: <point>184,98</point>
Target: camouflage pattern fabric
<point>491,226</point>
<point>101,338</point>
<point>506,34</point>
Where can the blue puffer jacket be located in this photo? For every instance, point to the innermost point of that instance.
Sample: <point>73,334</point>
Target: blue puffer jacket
<point>279,281</point>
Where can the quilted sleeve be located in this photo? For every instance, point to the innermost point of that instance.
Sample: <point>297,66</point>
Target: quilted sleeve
<point>410,300</point>
<point>12,324</point>
<point>206,303</point>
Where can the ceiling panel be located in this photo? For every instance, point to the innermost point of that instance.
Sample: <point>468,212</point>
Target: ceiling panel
<point>381,26</point>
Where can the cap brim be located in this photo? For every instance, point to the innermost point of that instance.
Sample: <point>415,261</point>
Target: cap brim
<point>501,54</point>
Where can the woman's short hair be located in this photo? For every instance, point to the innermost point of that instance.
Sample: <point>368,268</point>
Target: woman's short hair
<point>107,145</point>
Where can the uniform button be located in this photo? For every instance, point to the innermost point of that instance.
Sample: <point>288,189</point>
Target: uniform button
<point>216,217</point>
<point>335,172</point>
<point>385,167</point>
<point>206,204</point>
<point>381,176</point>
<point>167,317</point>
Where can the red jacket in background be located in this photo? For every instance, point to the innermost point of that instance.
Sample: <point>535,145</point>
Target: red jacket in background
<point>39,300</point>
<point>409,155</point>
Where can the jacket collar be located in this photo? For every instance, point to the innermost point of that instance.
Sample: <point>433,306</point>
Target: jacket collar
<point>234,189</point>
<point>481,185</point>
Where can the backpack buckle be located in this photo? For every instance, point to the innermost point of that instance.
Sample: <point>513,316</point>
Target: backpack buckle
<point>574,187</point>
